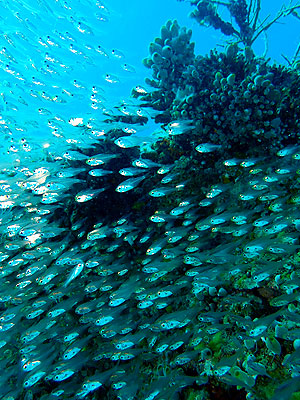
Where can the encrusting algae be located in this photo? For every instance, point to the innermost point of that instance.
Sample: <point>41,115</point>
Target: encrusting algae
<point>165,268</point>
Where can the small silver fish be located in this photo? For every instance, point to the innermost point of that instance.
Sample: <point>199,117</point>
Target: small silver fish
<point>179,127</point>
<point>99,49</point>
<point>129,184</point>
<point>140,89</point>
<point>100,159</point>
<point>161,191</point>
<point>145,163</point>
<point>74,156</point>
<point>110,78</point>
<point>128,68</point>
<point>126,142</point>
<point>207,147</point>
<point>232,162</point>
<point>87,195</point>
<point>130,171</point>
<point>287,151</point>
<point>117,53</point>
<point>99,172</point>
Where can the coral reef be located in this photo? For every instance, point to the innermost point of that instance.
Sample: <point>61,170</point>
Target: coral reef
<point>239,102</point>
<point>167,273</point>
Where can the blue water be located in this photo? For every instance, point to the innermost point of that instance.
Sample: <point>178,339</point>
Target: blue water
<point>129,29</point>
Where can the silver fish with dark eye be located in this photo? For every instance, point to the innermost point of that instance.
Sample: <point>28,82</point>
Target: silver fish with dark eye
<point>129,184</point>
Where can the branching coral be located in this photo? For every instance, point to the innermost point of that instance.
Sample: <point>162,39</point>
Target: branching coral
<point>247,26</point>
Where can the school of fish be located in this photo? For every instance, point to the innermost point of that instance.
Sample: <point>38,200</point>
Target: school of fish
<point>120,275</point>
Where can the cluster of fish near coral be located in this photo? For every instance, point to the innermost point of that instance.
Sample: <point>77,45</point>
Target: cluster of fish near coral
<point>179,280</point>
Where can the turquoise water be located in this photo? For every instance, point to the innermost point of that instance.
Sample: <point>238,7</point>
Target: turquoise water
<point>149,197</point>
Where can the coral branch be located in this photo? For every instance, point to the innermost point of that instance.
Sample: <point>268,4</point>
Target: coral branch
<point>284,12</point>
<point>245,14</point>
<point>256,13</point>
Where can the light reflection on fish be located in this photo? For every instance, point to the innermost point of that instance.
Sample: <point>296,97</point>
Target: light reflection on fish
<point>129,184</point>
<point>126,142</point>
<point>87,195</point>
